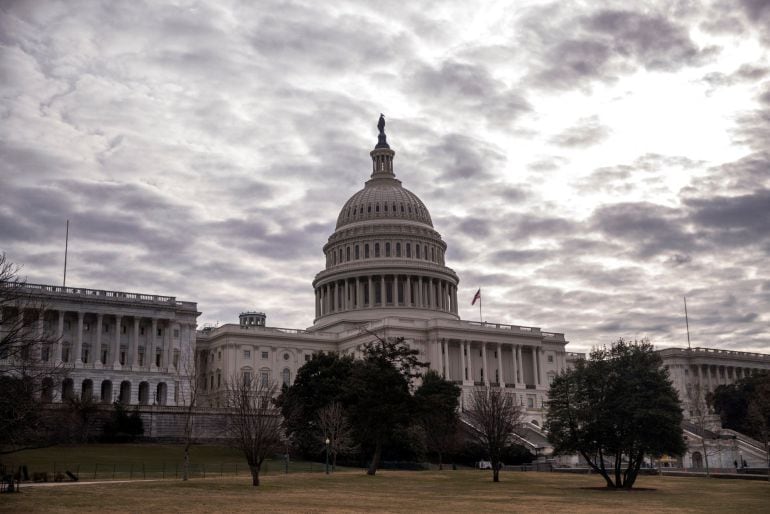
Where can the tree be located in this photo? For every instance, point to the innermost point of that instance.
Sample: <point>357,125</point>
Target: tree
<point>324,379</point>
<point>189,366</point>
<point>494,417</point>
<point>614,409</point>
<point>744,406</point>
<point>379,403</point>
<point>252,424</point>
<point>29,370</point>
<point>700,416</point>
<point>334,427</point>
<point>436,405</point>
<point>398,353</point>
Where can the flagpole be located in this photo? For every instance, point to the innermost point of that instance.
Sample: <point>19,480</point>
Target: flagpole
<point>66,244</point>
<point>687,321</point>
<point>480,318</point>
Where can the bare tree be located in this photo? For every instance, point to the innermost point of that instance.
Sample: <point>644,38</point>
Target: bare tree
<point>253,425</point>
<point>334,427</point>
<point>188,369</point>
<point>700,418</point>
<point>28,368</point>
<point>494,417</point>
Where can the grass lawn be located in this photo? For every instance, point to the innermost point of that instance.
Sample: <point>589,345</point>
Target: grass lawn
<point>398,491</point>
<point>123,461</point>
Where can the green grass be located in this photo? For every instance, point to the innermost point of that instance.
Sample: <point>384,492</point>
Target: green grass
<point>398,491</point>
<point>125,461</point>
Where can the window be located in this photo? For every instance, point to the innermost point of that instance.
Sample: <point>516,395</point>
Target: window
<point>377,208</point>
<point>123,328</point>
<point>376,249</point>
<point>387,249</point>
<point>286,377</point>
<point>398,249</point>
<point>386,207</point>
<point>106,328</point>
<point>45,354</point>
<point>246,378</point>
<point>550,379</point>
<point>433,254</point>
<point>219,355</point>
<point>67,325</point>
<point>366,251</point>
<point>159,332</point>
<point>65,354</point>
<point>285,356</point>
<point>347,254</point>
<point>307,358</point>
<point>264,355</point>
<point>550,358</point>
<point>176,358</point>
<point>219,379</point>
<point>417,251</point>
<point>158,356</point>
<point>247,354</point>
<point>531,402</point>
<point>141,358</point>
<point>141,331</point>
<point>369,208</point>
<point>176,332</point>
<point>86,327</point>
<point>265,378</point>
<point>408,250</point>
<point>104,356</point>
<point>123,358</point>
<point>358,255</point>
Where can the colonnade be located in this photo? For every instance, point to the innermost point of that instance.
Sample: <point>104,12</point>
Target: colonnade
<point>107,346</point>
<point>713,375</point>
<point>508,362</point>
<point>396,290</point>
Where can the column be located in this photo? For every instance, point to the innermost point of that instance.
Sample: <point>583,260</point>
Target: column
<point>463,368</point>
<point>469,346</point>
<point>316,304</point>
<point>540,371</point>
<point>79,341</point>
<point>149,345</point>
<point>432,297</point>
<point>169,343</point>
<point>359,294</point>
<point>116,345</point>
<point>514,366</point>
<point>134,353</point>
<point>418,296</point>
<point>36,353</point>
<point>383,295</point>
<point>445,358</point>
<point>370,304</point>
<point>408,291</point>
<point>98,344</point>
<point>59,337</point>
<point>708,377</point>
<point>500,370</point>
<point>534,365</point>
<point>454,299</point>
<point>484,363</point>
<point>394,289</point>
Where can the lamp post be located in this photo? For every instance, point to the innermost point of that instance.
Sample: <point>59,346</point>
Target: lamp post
<point>327,455</point>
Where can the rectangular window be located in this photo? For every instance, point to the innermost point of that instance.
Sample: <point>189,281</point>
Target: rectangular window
<point>122,358</point>
<point>85,355</point>
<point>67,325</point>
<point>104,356</point>
<point>531,403</point>
<point>264,355</point>
<point>65,356</point>
<point>246,378</point>
<point>106,328</point>
<point>247,354</point>
<point>160,332</point>
<point>141,358</point>
<point>265,378</point>
<point>44,354</point>
<point>141,331</point>
<point>176,358</point>
<point>176,332</point>
<point>157,360</point>
<point>123,329</point>
<point>307,358</point>
<point>86,327</point>
<point>219,355</point>
<point>550,358</point>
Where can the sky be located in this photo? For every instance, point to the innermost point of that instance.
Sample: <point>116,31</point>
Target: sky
<point>588,164</point>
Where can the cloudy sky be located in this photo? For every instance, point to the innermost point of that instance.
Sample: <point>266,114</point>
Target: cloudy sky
<point>587,164</point>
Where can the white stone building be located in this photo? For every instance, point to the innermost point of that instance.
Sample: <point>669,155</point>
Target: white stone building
<point>385,274</point>
<point>113,345</point>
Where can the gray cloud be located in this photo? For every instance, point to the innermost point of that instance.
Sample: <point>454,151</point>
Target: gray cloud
<point>586,132</point>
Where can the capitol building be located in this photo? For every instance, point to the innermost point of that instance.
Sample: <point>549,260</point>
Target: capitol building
<point>385,276</point>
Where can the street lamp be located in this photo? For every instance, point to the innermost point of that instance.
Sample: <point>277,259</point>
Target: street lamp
<point>327,455</point>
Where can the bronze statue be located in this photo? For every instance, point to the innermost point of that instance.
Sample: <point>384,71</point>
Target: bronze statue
<point>381,124</point>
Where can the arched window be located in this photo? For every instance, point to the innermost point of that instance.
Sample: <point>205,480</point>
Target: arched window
<point>398,249</point>
<point>377,208</point>
<point>366,251</point>
<point>340,259</point>
<point>369,208</point>
<point>376,249</point>
<point>394,207</point>
<point>286,377</point>
<point>386,207</point>
<point>387,249</point>
<point>409,209</point>
<point>347,254</point>
<point>334,257</point>
<point>408,250</point>
<point>358,253</point>
<point>417,251</point>
<point>402,207</point>
<point>433,253</point>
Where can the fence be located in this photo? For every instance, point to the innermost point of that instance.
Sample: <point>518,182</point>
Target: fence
<point>68,471</point>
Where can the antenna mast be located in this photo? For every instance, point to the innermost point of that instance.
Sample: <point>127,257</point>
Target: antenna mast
<point>66,244</point>
<point>687,322</point>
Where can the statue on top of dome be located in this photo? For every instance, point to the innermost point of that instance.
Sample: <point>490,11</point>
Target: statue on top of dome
<point>382,142</point>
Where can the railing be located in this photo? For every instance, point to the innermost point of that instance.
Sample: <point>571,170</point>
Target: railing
<point>121,295</point>
<point>715,352</point>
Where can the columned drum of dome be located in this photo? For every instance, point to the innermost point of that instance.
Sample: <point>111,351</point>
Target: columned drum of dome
<point>384,257</point>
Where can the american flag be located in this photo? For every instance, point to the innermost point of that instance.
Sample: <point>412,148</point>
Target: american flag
<point>476,297</point>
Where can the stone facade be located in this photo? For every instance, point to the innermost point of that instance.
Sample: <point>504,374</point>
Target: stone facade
<point>114,345</point>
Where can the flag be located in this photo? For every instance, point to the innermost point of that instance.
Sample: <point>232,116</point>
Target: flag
<point>477,296</point>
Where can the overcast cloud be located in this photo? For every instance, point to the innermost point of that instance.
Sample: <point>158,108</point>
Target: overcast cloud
<point>587,165</point>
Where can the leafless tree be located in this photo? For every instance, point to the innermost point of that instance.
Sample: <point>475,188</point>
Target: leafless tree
<point>700,418</point>
<point>494,417</point>
<point>28,370</point>
<point>252,424</point>
<point>188,368</point>
<point>333,425</point>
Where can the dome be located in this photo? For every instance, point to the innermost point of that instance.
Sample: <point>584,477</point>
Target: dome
<point>383,199</point>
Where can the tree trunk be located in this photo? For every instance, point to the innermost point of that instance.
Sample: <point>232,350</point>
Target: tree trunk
<point>440,463</point>
<point>186,464</point>
<point>495,472</point>
<point>375,459</point>
<point>254,475</point>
